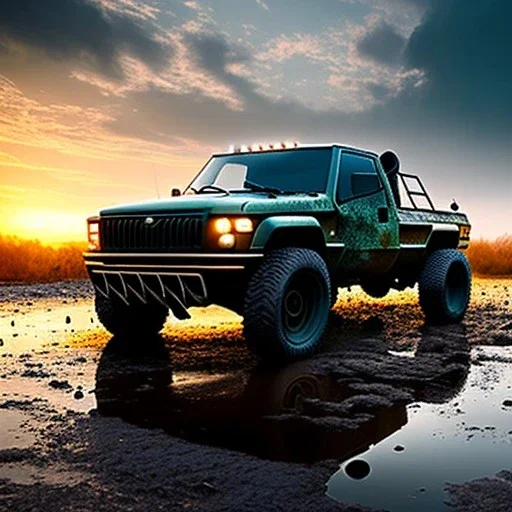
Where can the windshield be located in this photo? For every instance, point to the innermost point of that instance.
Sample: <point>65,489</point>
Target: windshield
<point>304,170</point>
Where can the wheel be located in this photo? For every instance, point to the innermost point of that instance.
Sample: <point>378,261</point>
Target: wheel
<point>445,286</point>
<point>134,320</point>
<point>287,304</point>
<point>377,289</point>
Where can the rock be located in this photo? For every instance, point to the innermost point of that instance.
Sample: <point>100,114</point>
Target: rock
<point>358,469</point>
<point>68,319</point>
<point>78,395</point>
<point>36,374</point>
<point>507,403</point>
<point>399,448</point>
<point>60,384</point>
<point>12,323</point>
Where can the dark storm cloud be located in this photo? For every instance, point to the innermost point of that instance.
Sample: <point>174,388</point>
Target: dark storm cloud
<point>70,29</point>
<point>459,45</point>
<point>463,48</point>
<point>382,44</point>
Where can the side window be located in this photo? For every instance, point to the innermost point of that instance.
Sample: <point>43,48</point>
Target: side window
<point>357,176</point>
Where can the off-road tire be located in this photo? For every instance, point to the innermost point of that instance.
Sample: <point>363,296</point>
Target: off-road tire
<point>445,287</point>
<point>130,321</point>
<point>286,305</point>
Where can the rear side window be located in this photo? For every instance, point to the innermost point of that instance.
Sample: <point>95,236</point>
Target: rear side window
<point>357,177</point>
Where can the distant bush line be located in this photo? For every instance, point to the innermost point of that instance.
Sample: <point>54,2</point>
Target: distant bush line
<point>491,257</point>
<point>31,261</point>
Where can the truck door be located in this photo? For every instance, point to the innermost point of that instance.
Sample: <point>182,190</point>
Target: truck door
<point>367,223</point>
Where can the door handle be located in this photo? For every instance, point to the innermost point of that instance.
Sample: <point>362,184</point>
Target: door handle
<point>383,214</point>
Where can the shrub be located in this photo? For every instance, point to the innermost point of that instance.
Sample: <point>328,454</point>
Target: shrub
<point>31,261</point>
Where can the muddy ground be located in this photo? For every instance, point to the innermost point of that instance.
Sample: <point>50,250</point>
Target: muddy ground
<point>190,420</point>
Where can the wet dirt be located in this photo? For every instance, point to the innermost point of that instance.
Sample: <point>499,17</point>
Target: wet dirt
<point>390,414</point>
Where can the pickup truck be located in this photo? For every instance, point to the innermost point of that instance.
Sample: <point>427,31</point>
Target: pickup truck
<point>271,232</point>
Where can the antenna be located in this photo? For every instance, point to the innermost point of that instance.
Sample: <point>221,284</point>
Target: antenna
<point>156,181</point>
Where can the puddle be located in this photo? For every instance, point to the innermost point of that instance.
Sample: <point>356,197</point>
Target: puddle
<point>263,412</point>
<point>466,438</point>
<point>405,453</point>
<point>27,474</point>
<point>43,325</point>
<point>12,434</point>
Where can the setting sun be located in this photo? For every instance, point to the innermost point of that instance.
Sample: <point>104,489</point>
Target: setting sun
<point>52,227</point>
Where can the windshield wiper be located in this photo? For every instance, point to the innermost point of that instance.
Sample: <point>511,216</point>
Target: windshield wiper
<point>261,188</point>
<point>205,188</point>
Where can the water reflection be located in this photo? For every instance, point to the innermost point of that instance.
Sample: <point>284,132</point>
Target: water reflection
<point>289,414</point>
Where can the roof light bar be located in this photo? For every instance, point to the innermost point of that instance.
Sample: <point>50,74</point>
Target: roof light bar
<point>253,148</point>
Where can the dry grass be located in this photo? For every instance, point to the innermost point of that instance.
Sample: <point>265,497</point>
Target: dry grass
<point>491,258</point>
<point>31,261</point>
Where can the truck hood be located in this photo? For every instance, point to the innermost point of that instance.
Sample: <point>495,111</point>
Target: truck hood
<point>223,204</point>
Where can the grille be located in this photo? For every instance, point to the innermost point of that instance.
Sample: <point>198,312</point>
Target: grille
<point>169,232</point>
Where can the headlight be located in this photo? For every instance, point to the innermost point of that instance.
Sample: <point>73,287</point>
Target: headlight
<point>229,232</point>
<point>244,225</point>
<point>93,234</point>
<point>222,225</point>
<point>227,241</point>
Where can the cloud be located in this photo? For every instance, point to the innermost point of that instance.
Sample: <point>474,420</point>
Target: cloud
<point>81,132</point>
<point>133,8</point>
<point>263,5</point>
<point>81,30</point>
<point>382,43</point>
<point>463,49</point>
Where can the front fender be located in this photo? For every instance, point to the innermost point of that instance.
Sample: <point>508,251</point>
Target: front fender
<point>266,228</point>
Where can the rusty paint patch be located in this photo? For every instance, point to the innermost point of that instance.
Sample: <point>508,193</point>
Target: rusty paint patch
<point>385,239</point>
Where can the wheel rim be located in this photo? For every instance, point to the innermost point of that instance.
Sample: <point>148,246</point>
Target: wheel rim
<point>457,284</point>
<point>304,301</point>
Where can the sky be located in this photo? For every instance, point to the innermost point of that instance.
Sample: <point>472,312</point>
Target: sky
<point>116,101</point>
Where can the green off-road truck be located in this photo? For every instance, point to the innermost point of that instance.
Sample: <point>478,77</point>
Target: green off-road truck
<point>272,232</point>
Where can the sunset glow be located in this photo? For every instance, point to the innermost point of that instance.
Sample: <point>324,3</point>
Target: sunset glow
<point>122,114</point>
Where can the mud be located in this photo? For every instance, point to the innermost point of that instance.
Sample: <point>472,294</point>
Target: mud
<point>190,420</point>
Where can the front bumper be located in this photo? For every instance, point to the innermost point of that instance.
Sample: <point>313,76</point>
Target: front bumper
<point>177,280</point>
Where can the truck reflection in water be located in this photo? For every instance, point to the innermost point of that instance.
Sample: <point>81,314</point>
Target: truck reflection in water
<point>287,414</point>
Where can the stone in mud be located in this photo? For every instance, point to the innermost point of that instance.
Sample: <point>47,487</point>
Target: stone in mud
<point>78,395</point>
<point>59,384</point>
<point>358,469</point>
<point>507,403</point>
<point>35,374</point>
<point>399,448</point>
<point>68,319</point>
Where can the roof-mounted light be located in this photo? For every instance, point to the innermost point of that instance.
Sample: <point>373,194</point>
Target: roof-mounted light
<point>252,148</point>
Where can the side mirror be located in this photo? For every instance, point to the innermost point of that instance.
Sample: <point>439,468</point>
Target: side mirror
<point>175,192</point>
